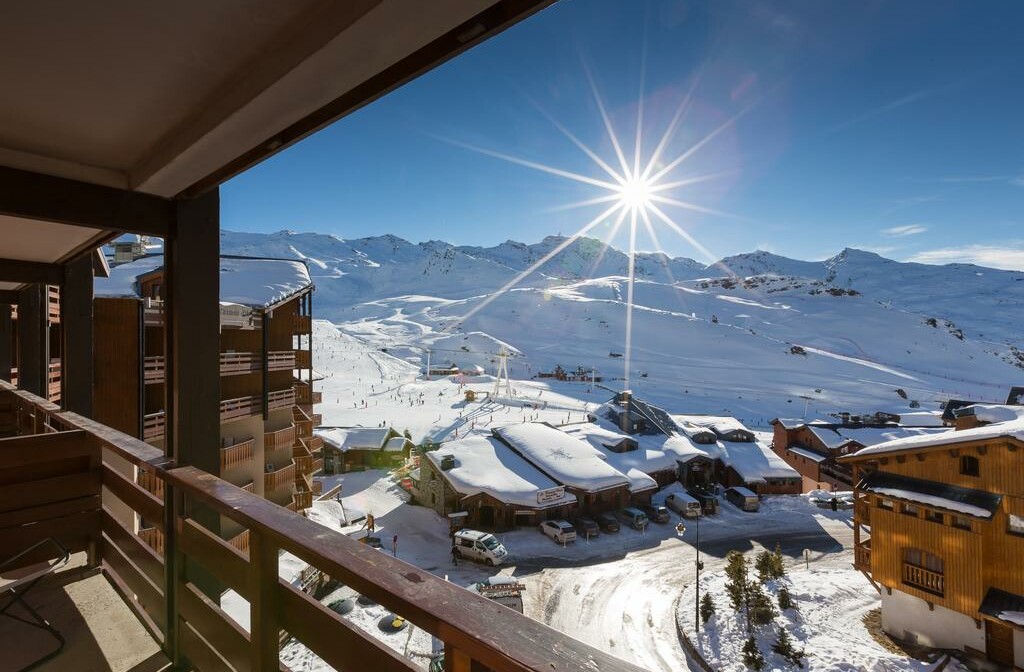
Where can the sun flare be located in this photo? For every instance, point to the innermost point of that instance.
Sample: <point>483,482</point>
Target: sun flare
<point>636,193</point>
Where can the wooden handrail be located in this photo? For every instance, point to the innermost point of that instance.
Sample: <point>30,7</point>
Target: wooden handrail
<point>160,593</point>
<point>924,579</point>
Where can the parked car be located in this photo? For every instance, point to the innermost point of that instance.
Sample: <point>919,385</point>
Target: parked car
<point>479,546</point>
<point>607,521</point>
<point>743,498</point>
<point>559,530</point>
<point>683,504</point>
<point>633,517</point>
<point>658,514</point>
<point>586,527</point>
<point>708,502</point>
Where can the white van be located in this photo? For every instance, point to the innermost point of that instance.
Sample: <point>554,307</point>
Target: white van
<point>743,498</point>
<point>479,546</point>
<point>683,504</point>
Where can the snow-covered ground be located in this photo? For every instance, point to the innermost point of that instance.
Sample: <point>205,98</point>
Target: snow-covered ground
<point>831,600</point>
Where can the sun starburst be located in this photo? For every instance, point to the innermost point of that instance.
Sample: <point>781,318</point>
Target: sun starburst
<point>636,193</point>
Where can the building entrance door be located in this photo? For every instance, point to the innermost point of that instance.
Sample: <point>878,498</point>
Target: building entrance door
<point>487,516</point>
<point>999,642</point>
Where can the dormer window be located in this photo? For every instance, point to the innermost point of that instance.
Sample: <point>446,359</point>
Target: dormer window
<point>969,466</point>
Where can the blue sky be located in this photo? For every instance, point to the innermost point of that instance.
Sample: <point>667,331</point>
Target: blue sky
<point>896,127</point>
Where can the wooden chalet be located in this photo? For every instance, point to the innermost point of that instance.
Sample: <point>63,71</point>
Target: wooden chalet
<point>266,442</point>
<point>125,117</point>
<point>939,531</point>
<point>359,448</point>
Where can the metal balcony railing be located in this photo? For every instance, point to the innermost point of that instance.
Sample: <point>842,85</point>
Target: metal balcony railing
<point>164,588</point>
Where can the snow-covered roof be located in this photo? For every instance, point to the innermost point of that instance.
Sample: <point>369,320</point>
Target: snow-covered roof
<point>396,444</point>
<point>870,436</point>
<point>804,452</point>
<point>690,429</point>
<point>790,423</point>
<point>635,464</point>
<point>354,438</point>
<point>1012,429</point>
<point>243,280</point>
<point>486,465</point>
<point>978,503</point>
<point>992,412</point>
<point>566,459</point>
<point>830,438</point>
<point>755,462</point>
<point>921,419</point>
<point>720,424</point>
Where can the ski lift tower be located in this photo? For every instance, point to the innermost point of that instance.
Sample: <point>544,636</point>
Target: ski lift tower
<point>502,374</point>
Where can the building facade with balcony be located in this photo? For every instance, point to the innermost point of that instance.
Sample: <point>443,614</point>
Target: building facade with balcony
<point>939,531</point>
<point>266,440</point>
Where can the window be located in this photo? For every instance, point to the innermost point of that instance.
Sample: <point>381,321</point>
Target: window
<point>961,522</point>
<point>969,465</point>
<point>923,559</point>
<point>909,510</point>
<point>1015,524</point>
<point>885,504</point>
<point>933,516</point>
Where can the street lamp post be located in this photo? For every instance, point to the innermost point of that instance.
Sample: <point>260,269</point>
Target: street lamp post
<point>699,566</point>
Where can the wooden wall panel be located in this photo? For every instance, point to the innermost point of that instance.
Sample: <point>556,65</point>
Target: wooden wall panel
<point>1001,470</point>
<point>116,400</point>
<point>281,325</point>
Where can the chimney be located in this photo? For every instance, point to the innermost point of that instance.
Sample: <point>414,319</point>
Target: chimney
<point>625,420</point>
<point>966,422</point>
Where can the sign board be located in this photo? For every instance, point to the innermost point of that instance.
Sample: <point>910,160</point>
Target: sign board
<point>458,514</point>
<point>550,495</point>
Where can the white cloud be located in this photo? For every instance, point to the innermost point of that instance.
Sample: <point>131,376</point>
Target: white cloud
<point>908,230</point>
<point>1009,256</point>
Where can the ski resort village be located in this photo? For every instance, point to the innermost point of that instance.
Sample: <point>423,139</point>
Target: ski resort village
<point>335,449</point>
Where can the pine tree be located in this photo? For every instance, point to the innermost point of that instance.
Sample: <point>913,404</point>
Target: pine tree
<point>784,647</point>
<point>707,608</point>
<point>760,609</point>
<point>780,566</point>
<point>786,600</point>
<point>736,586</point>
<point>752,656</point>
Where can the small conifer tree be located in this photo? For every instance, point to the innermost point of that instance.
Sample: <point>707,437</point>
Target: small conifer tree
<point>752,656</point>
<point>707,608</point>
<point>784,647</point>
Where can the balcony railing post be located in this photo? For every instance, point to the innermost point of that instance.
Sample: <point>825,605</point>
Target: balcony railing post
<point>172,575</point>
<point>265,627</point>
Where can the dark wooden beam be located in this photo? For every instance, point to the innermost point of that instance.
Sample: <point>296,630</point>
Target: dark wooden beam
<point>76,318</point>
<point>16,270</point>
<point>57,199</point>
<point>481,27</point>
<point>6,340</point>
<point>8,296</point>
<point>192,358</point>
<point>33,341</point>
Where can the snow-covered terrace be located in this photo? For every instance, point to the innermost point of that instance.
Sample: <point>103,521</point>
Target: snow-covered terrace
<point>486,465</point>
<point>566,459</point>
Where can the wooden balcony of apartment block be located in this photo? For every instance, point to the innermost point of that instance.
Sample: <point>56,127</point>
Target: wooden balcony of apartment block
<point>279,438</point>
<point>237,454</point>
<point>303,499</point>
<point>317,419</point>
<point>127,576</point>
<point>303,359</point>
<point>272,480</point>
<point>862,557</point>
<point>240,407</point>
<point>318,465</point>
<point>249,487</point>
<point>313,444</point>
<point>302,324</point>
<point>281,360</point>
<point>281,399</point>
<point>303,465</point>
<point>233,363</point>
<point>151,484</point>
<point>53,304</point>
<point>53,381</point>
<point>303,394</point>
<point>153,425</point>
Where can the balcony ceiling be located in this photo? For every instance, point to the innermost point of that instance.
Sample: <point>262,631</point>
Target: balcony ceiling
<point>172,98</point>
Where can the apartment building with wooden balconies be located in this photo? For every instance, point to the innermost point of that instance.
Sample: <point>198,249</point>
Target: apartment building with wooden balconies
<point>266,427</point>
<point>939,531</point>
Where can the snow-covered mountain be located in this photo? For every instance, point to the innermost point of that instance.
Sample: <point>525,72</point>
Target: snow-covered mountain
<point>752,334</point>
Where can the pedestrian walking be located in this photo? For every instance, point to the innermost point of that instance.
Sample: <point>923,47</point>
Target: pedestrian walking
<point>394,546</point>
<point>455,555</point>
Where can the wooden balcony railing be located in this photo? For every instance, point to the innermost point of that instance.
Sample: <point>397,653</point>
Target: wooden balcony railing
<point>281,399</point>
<point>924,579</point>
<point>53,381</point>
<point>317,419</point>
<point>272,480</point>
<point>239,362</point>
<point>303,499</point>
<point>153,368</point>
<point>303,359</point>
<point>318,397</point>
<point>240,408</point>
<point>153,425</point>
<point>249,487</point>
<point>314,444</point>
<point>152,484</point>
<point>236,454</point>
<point>154,538</point>
<point>53,304</point>
<point>281,360</point>
<point>303,465</point>
<point>318,465</point>
<point>303,394</point>
<point>279,439</point>
<point>862,557</point>
<point>240,542</point>
<point>302,324</point>
<point>165,589</point>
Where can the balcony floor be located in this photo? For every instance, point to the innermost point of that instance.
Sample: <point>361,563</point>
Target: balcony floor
<point>102,633</point>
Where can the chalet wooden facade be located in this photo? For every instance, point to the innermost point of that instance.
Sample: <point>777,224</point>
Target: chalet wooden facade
<point>348,449</point>
<point>939,530</point>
